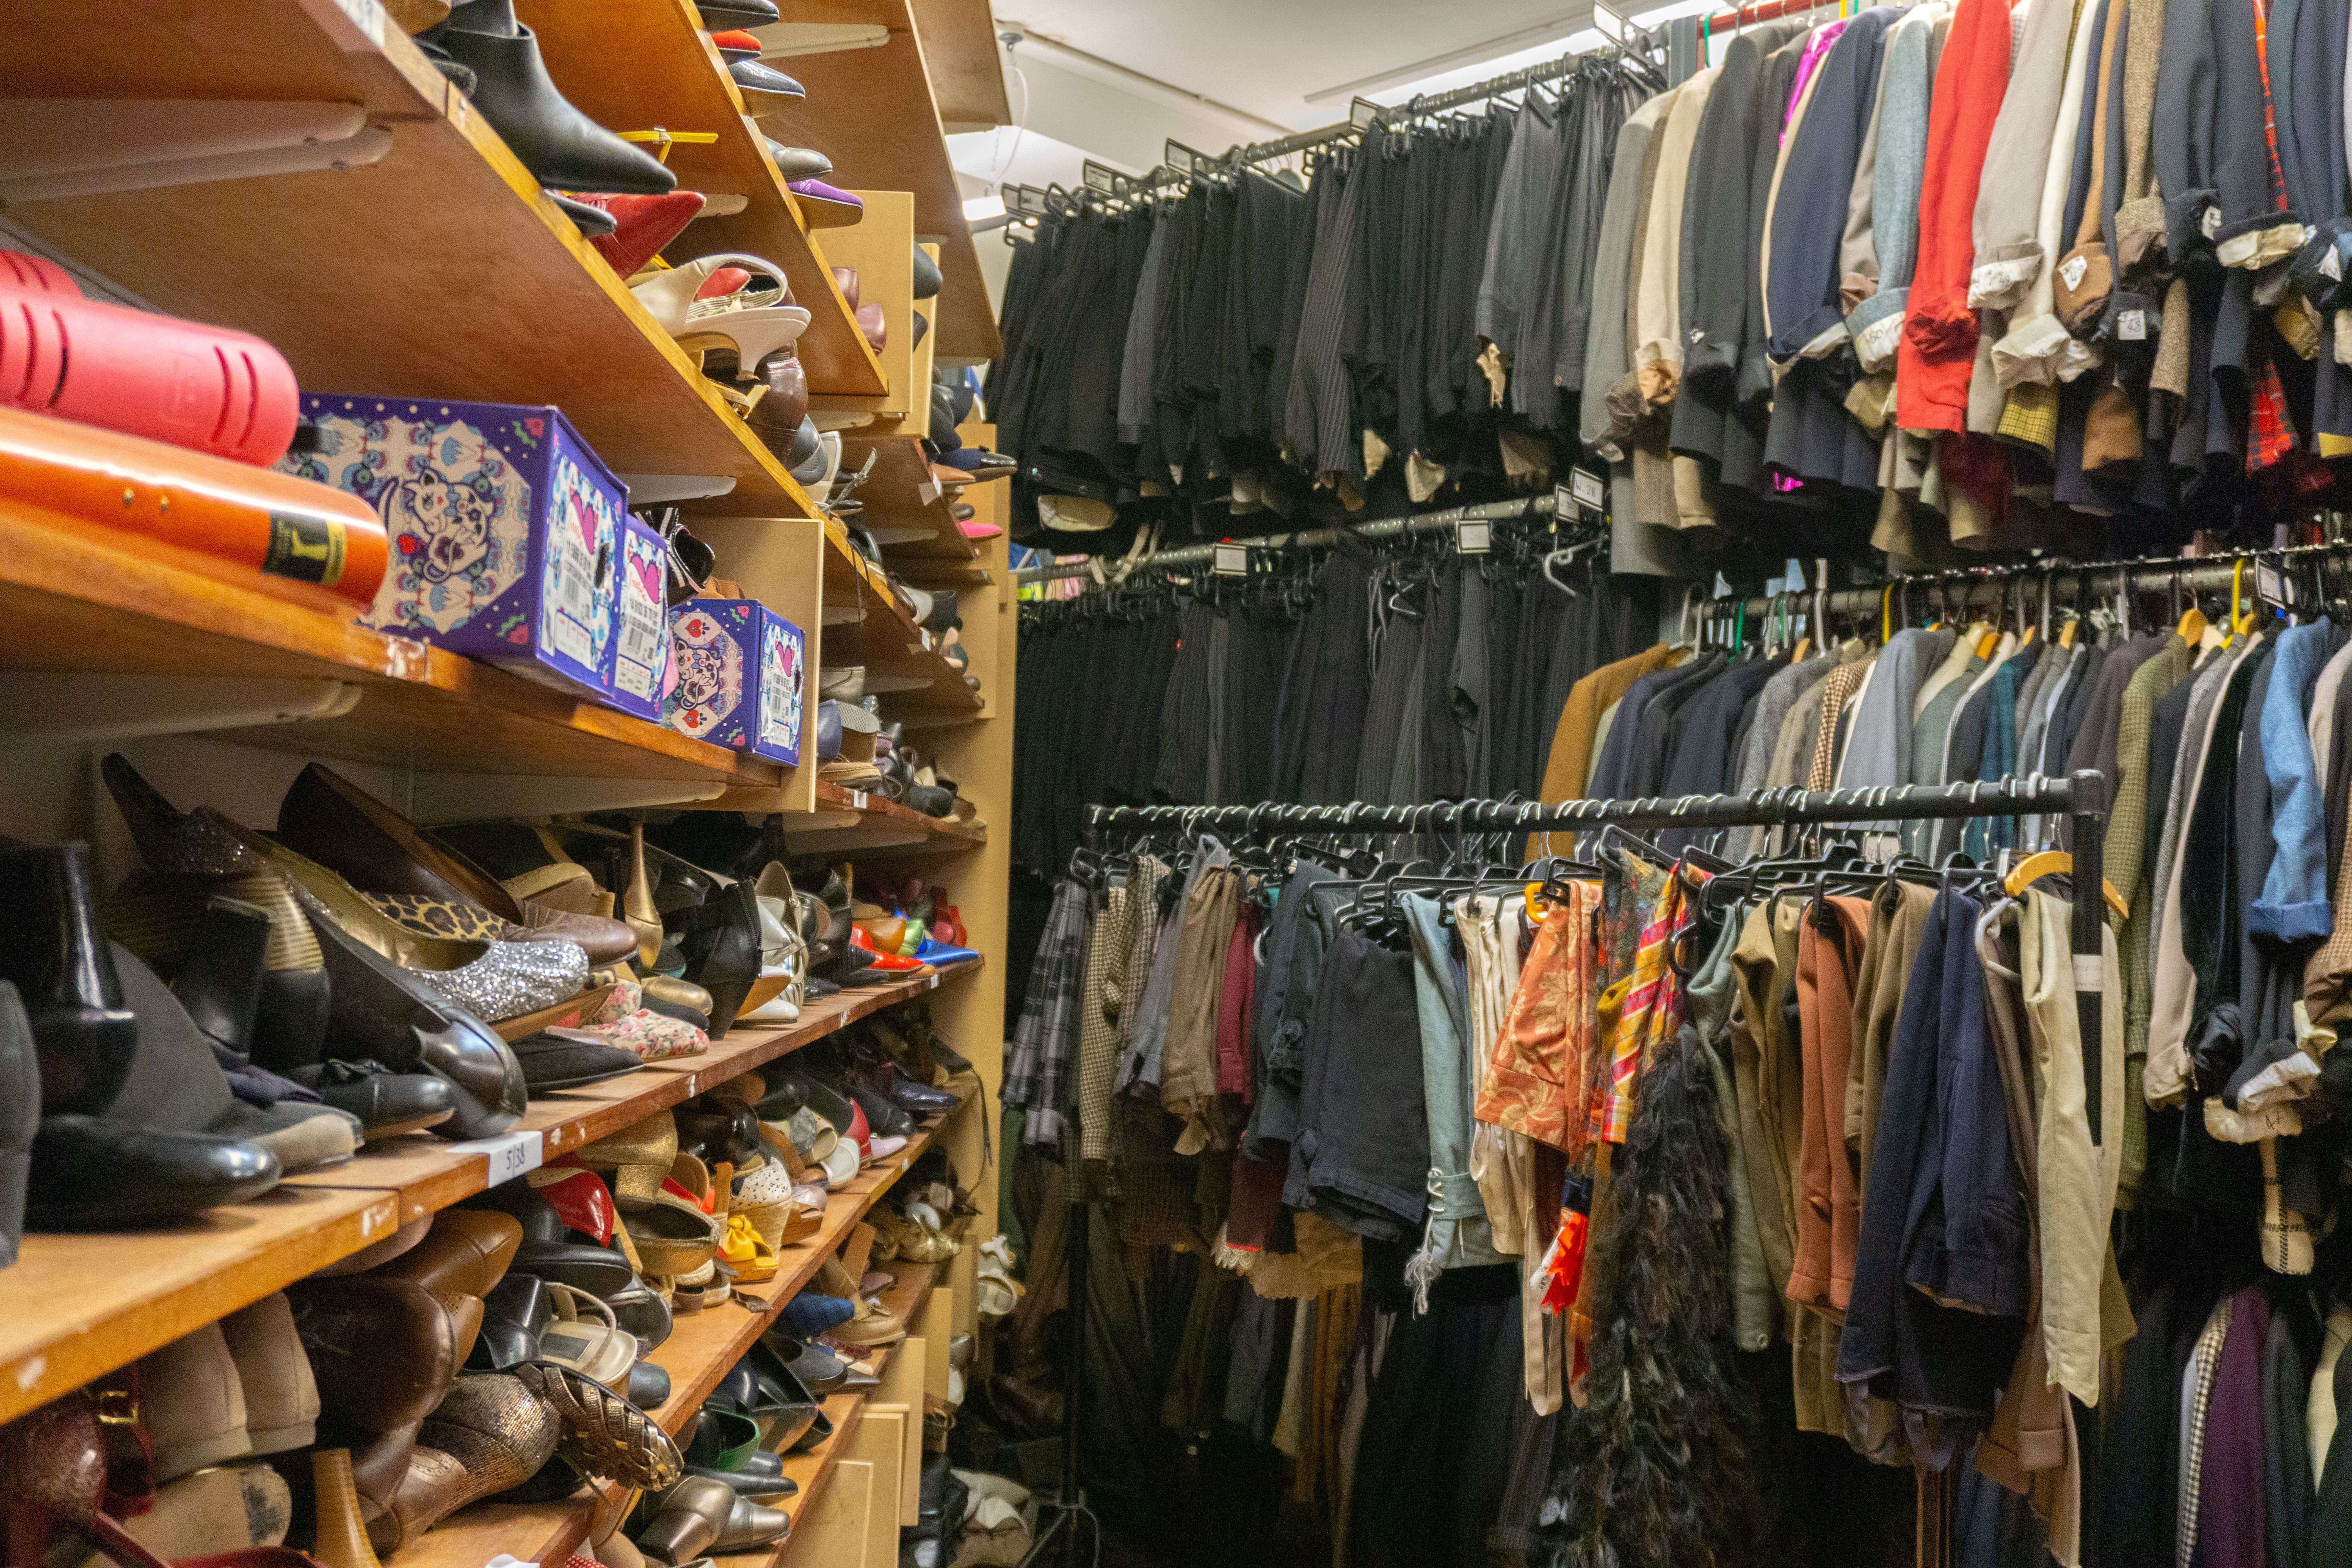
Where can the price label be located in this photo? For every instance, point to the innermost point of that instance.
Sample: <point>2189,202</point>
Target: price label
<point>511,1155</point>
<point>857,799</point>
<point>1181,158</point>
<point>1099,178</point>
<point>1362,114</point>
<point>1474,537</point>
<point>2131,326</point>
<point>1231,561</point>
<point>2275,586</point>
<point>2072,270</point>
<point>1587,486</point>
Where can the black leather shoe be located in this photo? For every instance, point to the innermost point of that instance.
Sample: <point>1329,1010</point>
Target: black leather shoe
<point>560,145</point>
<point>798,162</point>
<point>720,940</point>
<point>713,1132</point>
<point>927,273</point>
<point>20,1116</point>
<point>590,221</point>
<point>90,1173</point>
<point>517,1311</point>
<point>53,949</point>
<point>382,1011</point>
<point>746,1483</point>
<point>752,77</point>
<point>387,1103</point>
<point>220,983</point>
<point>552,1060</point>
<point>598,1270</point>
<point>720,14</point>
<point>648,1386</point>
<point>882,1117</point>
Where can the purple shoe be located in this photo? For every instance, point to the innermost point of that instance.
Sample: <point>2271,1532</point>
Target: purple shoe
<point>827,206</point>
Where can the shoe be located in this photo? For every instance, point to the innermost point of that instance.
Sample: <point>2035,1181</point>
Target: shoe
<point>383,1352</point>
<point>561,146</point>
<point>562,1059</point>
<point>736,13</point>
<point>736,44</point>
<point>641,226</point>
<point>720,940</point>
<point>745,1484</point>
<point>598,1270</point>
<point>487,1437</point>
<point>874,325</point>
<point>604,1434</point>
<point>463,1258</point>
<point>281,1395</point>
<point>20,1117</point>
<point>763,86</point>
<point>192,1404</point>
<point>386,1103</point>
<point>594,223</point>
<point>751,1525</point>
<point>227,1509</point>
<point>979,464</point>
<point>939,954</point>
<point>827,206</point>
<point>810,470</point>
<point>54,951</point>
<point>687,1520</point>
<point>440,893</point>
<point>798,163</point>
<point>88,1174</point>
<point>870,1328</point>
<point>927,275</point>
<point>783,412</point>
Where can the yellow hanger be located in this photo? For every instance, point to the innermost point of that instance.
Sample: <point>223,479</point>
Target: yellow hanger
<point>663,140</point>
<point>2066,632</point>
<point>1987,643</point>
<point>2241,621</point>
<point>2192,626</point>
<point>2034,868</point>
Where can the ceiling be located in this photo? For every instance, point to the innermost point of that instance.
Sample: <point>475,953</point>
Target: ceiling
<point>1268,57</point>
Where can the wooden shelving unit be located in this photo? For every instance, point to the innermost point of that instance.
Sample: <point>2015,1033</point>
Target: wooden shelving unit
<point>441,270</point>
<point>702,1346</point>
<point>74,1307</point>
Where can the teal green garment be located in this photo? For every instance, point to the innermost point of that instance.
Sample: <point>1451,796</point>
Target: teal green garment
<point>1928,734</point>
<point>1459,1235</point>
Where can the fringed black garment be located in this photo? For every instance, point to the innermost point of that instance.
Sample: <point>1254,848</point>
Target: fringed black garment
<point>1652,1472</point>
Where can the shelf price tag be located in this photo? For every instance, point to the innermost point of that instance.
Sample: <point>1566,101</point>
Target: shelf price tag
<point>1474,536</point>
<point>510,1156</point>
<point>1588,490</point>
<point>1232,560</point>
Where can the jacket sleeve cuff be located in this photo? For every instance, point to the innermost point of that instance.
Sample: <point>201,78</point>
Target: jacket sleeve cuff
<point>1816,333</point>
<point>2002,275</point>
<point>2298,920</point>
<point>2255,243</point>
<point>2190,218</point>
<point>2139,230</point>
<point>1875,325</point>
<point>2029,351</point>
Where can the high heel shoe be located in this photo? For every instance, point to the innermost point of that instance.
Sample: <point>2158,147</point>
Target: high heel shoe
<point>827,206</point>
<point>642,226</point>
<point>558,144</point>
<point>54,951</point>
<point>638,902</point>
<point>20,1117</point>
<point>668,297</point>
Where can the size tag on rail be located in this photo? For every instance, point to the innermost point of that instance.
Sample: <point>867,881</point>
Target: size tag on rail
<point>1588,489</point>
<point>1099,178</point>
<point>1474,536</point>
<point>1180,157</point>
<point>510,1156</point>
<point>1231,561</point>
<point>2275,586</point>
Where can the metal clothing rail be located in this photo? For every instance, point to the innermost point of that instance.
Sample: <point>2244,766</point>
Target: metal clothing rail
<point>2082,796</point>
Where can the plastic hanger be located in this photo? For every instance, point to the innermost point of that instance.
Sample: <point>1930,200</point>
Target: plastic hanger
<point>2044,863</point>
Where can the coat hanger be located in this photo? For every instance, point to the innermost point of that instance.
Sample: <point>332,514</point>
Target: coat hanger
<point>2046,862</point>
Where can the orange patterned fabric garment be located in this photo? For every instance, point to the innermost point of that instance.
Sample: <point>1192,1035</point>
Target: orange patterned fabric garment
<point>1536,1066</point>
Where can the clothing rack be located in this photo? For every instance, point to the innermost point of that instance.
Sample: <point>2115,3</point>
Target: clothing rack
<point>2082,796</point>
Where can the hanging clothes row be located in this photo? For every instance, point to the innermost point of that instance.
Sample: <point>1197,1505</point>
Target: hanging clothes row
<point>1968,273</point>
<point>1668,1210</point>
<point>1395,673</point>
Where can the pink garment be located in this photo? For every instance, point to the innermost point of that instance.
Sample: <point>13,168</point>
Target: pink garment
<point>1817,45</point>
<point>1234,1002</point>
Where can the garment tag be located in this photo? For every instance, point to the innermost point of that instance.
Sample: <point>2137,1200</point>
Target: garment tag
<point>858,800</point>
<point>1231,561</point>
<point>367,16</point>
<point>2087,973</point>
<point>2331,263</point>
<point>510,1156</point>
<point>1474,536</point>
<point>1588,488</point>
<point>1362,113</point>
<point>2274,586</point>
<point>2209,224</point>
<point>2131,326</point>
<point>1099,178</point>
<point>2071,269</point>
<point>1181,158</point>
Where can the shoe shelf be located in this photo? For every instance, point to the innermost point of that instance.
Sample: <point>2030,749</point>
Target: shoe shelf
<point>425,1174</point>
<point>440,270</point>
<point>905,507</point>
<point>883,824</point>
<point>74,1307</point>
<point>212,655</point>
<point>812,1470</point>
<point>903,666</point>
<point>874,113</point>
<point>700,1349</point>
<point>967,75</point>
<point>635,65</point>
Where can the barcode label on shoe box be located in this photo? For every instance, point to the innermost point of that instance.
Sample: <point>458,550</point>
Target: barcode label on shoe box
<point>367,16</point>
<point>510,1156</point>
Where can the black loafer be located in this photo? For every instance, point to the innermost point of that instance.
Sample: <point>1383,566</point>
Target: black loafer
<point>387,1103</point>
<point>598,1270</point>
<point>89,1173</point>
<point>553,1059</point>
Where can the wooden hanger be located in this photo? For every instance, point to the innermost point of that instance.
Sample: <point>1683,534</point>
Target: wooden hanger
<point>2035,866</point>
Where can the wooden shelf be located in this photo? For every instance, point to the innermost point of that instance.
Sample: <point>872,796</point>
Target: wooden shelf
<point>700,1349</point>
<point>439,272</point>
<point>958,39</point>
<point>675,79</point>
<point>74,1307</point>
<point>906,826</point>
<point>873,111</point>
<point>902,495</point>
<point>118,605</point>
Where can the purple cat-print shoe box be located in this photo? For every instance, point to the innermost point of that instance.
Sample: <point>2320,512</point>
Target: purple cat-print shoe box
<point>741,678</point>
<point>505,532</point>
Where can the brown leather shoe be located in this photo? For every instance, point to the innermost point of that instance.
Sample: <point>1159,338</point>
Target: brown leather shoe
<point>464,1254</point>
<point>490,1433</point>
<point>383,1352</point>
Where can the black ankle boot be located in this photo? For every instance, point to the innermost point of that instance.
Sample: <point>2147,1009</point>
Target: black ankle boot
<point>54,950</point>
<point>220,983</point>
<point>720,940</point>
<point>560,145</point>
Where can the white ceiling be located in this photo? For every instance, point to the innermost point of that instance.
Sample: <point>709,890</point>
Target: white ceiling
<point>1267,58</point>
